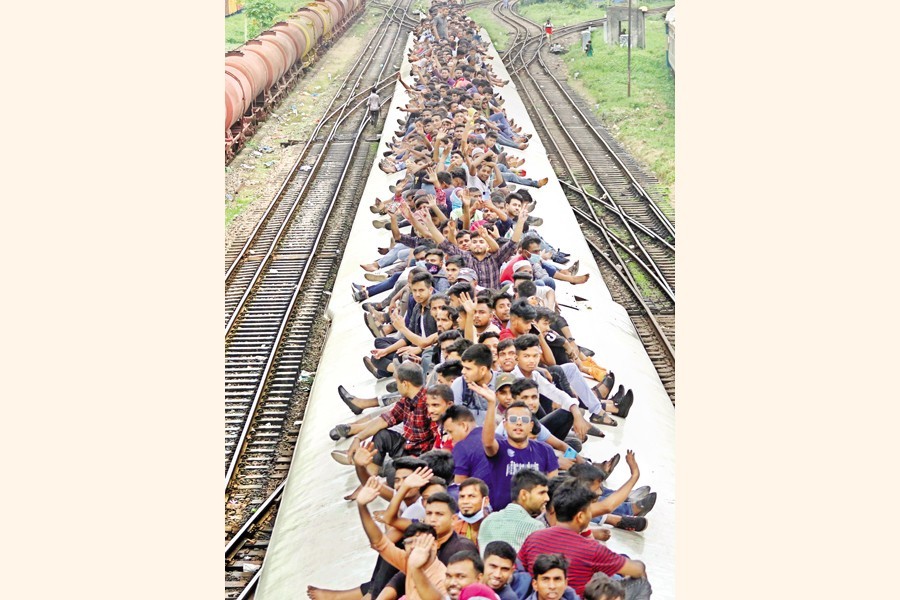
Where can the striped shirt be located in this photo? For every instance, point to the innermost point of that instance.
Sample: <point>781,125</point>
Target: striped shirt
<point>512,525</point>
<point>585,554</point>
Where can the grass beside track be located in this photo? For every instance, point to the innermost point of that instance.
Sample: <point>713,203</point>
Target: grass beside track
<point>234,24</point>
<point>643,123</point>
<point>497,29</point>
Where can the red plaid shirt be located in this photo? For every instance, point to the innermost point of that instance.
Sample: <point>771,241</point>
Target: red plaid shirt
<point>418,430</point>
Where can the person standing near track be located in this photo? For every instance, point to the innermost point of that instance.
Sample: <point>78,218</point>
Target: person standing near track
<point>374,104</point>
<point>548,29</point>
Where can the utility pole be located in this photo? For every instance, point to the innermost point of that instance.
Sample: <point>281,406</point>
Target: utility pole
<point>629,48</point>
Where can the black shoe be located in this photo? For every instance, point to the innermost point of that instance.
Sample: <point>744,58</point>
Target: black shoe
<point>632,524</point>
<point>620,393</point>
<point>608,465</point>
<point>645,505</point>
<point>367,360</point>
<point>340,431</point>
<point>624,405</point>
<point>639,493</point>
<point>347,397</point>
<point>586,351</point>
<point>392,387</point>
<point>608,382</point>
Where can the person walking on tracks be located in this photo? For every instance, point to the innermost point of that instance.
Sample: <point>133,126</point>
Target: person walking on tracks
<point>374,103</point>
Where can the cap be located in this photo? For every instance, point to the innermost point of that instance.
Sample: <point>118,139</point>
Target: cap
<point>504,379</point>
<point>477,590</point>
<point>467,274</point>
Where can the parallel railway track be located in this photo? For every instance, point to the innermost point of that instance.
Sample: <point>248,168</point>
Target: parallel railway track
<point>633,238</point>
<point>276,287</point>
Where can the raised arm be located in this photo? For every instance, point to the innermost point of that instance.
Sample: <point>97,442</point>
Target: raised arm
<point>608,504</point>
<point>421,551</point>
<point>488,435</point>
<point>520,226</point>
<point>369,492</point>
<point>417,479</point>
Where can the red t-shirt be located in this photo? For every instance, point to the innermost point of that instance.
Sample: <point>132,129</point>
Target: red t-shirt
<point>507,273</point>
<point>507,334</point>
<point>586,555</point>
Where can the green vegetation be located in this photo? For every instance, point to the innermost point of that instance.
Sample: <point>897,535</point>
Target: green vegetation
<point>561,14</point>
<point>257,16</point>
<point>644,123</point>
<point>569,12</point>
<point>497,29</point>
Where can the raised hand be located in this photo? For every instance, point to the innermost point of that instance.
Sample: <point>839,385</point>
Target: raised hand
<point>467,303</point>
<point>418,478</point>
<point>632,462</point>
<point>421,550</point>
<point>369,492</point>
<point>364,454</point>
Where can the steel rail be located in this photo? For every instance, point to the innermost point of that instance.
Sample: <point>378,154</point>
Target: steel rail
<point>300,196</point>
<point>273,349</point>
<point>595,176</point>
<point>286,319</point>
<point>312,138</point>
<point>664,220</point>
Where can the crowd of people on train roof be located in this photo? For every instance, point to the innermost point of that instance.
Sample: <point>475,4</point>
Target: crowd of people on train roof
<point>477,444</point>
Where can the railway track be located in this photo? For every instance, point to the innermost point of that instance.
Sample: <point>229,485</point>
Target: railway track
<point>633,238</point>
<point>276,286</point>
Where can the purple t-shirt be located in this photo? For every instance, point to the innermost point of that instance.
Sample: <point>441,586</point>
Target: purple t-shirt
<point>469,458</point>
<point>508,461</point>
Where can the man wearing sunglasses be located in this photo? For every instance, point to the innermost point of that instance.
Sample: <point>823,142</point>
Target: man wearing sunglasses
<point>507,456</point>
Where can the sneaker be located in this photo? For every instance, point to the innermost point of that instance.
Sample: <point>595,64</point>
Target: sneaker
<point>359,293</point>
<point>573,270</point>
<point>379,223</point>
<point>375,276</point>
<point>632,524</point>
<point>392,387</point>
<point>535,221</point>
<point>624,405</point>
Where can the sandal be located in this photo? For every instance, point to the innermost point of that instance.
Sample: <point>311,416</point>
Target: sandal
<point>601,419</point>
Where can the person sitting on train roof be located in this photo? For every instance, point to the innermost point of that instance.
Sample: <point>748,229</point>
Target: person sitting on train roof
<point>419,432</point>
<point>612,506</point>
<point>417,328</point>
<point>512,524</point>
<point>433,569</point>
<point>572,509</point>
<point>517,451</point>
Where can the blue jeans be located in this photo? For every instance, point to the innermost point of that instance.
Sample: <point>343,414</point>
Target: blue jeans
<point>383,286</point>
<point>398,252</point>
<point>623,510</point>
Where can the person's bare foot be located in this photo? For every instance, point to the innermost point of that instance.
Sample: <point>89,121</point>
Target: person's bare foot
<point>352,495</point>
<point>315,593</point>
<point>580,278</point>
<point>369,267</point>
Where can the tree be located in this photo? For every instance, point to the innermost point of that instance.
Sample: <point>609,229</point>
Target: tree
<point>261,13</point>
